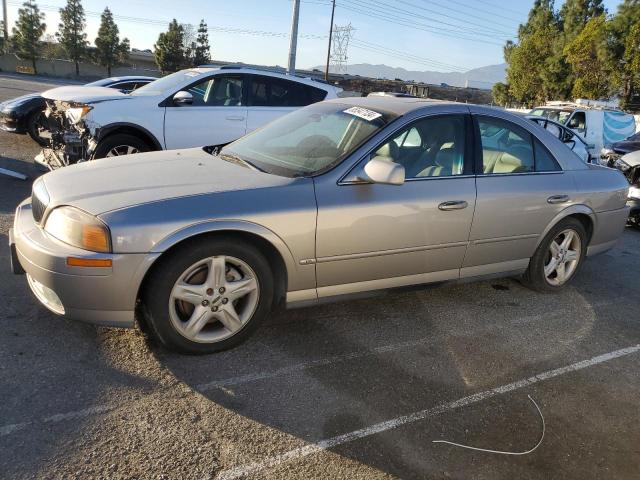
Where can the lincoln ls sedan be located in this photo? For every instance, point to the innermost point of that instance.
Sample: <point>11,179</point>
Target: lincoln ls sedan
<point>342,197</point>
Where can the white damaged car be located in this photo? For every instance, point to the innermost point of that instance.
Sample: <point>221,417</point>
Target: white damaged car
<point>190,108</point>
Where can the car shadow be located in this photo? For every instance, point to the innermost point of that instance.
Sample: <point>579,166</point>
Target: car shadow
<point>320,372</point>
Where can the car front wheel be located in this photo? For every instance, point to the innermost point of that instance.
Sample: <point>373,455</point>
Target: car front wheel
<point>208,295</point>
<point>120,144</point>
<point>558,257</point>
<point>38,129</point>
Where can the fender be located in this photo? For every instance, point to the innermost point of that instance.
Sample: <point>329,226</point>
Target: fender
<point>234,226</point>
<point>107,129</point>
<point>570,210</point>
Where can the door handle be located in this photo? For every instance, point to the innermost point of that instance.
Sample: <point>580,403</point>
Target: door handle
<point>453,205</point>
<point>237,118</point>
<point>558,199</point>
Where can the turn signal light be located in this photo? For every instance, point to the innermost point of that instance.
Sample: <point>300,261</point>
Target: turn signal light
<point>89,262</point>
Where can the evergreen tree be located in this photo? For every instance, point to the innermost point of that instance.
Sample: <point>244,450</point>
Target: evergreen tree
<point>109,49</point>
<point>202,54</point>
<point>529,74</point>
<point>575,14</point>
<point>169,49</point>
<point>27,32</point>
<point>71,33</point>
<point>500,93</point>
<point>587,55</point>
<point>631,67</point>
<point>619,41</point>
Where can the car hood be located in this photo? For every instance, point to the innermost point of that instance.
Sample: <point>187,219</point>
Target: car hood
<point>114,183</point>
<point>82,94</point>
<point>19,100</point>
<point>625,146</point>
<point>632,159</point>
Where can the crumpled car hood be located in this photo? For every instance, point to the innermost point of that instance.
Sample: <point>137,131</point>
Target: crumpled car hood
<point>114,183</point>
<point>632,159</point>
<point>82,94</point>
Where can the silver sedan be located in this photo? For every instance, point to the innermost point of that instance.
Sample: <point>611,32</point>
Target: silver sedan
<point>339,198</point>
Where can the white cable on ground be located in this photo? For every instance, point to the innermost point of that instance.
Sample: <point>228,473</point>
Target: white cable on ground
<point>499,451</point>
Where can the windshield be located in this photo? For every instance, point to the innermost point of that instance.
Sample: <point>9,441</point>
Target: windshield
<point>560,116</point>
<point>170,82</point>
<point>103,82</point>
<point>308,140</point>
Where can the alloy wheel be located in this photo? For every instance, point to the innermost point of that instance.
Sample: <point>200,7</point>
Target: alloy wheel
<point>122,150</point>
<point>213,299</point>
<point>563,257</point>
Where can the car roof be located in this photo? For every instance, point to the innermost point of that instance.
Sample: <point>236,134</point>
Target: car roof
<point>321,84</point>
<point>397,105</point>
<point>130,77</point>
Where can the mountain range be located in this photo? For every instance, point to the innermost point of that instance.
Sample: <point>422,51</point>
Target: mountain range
<point>483,77</point>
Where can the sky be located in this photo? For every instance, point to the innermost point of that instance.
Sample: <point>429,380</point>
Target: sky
<point>441,35</point>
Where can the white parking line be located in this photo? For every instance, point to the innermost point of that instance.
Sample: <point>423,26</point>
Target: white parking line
<point>297,453</point>
<point>266,375</point>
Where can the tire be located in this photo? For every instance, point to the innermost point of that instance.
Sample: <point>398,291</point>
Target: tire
<point>33,122</point>
<point>192,326</point>
<point>535,276</point>
<point>122,142</point>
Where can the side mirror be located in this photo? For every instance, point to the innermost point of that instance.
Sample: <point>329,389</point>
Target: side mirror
<point>182,98</point>
<point>381,170</point>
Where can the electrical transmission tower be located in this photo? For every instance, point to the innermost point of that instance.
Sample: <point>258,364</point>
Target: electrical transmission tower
<point>339,48</point>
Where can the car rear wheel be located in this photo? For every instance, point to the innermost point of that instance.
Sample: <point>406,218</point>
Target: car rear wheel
<point>120,144</point>
<point>558,257</point>
<point>37,128</point>
<point>208,295</point>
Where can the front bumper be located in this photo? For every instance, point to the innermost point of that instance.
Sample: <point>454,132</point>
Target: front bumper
<point>103,296</point>
<point>634,206</point>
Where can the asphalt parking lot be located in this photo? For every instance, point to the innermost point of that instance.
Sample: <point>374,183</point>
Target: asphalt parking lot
<point>355,390</point>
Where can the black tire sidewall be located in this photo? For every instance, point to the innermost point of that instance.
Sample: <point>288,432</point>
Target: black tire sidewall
<point>534,277</point>
<point>31,125</point>
<point>156,294</point>
<point>119,139</point>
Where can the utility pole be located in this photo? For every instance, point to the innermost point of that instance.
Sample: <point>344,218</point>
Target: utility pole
<point>293,44</point>
<point>326,69</point>
<point>5,22</point>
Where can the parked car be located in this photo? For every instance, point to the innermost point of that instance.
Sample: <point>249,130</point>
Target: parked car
<point>338,198</point>
<point>25,114</point>
<point>598,124</point>
<point>567,136</point>
<point>190,108</point>
<point>629,165</point>
<point>610,153</point>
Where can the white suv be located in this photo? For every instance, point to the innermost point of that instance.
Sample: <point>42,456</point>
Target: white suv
<point>194,107</point>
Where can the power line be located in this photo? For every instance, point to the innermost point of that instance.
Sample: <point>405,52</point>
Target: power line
<point>492,14</point>
<point>475,15</point>
<point>499,7</point>
<point>455,18</point>
<point>389,11</point>
<point>417,26</point>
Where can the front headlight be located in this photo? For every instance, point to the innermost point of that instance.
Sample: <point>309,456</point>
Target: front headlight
<point>607,150</point>
<point>634,192</point>
<point>75,227</point>
<point>75,114</point>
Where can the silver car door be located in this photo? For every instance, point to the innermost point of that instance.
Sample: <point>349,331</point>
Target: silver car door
<point>373,236</point>
<point>520,188</point>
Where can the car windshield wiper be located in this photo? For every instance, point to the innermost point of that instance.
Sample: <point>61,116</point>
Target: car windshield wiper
<point>230,157</point>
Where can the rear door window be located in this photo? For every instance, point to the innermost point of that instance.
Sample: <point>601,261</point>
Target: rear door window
<point>508,148</point>
<point>277,92</point>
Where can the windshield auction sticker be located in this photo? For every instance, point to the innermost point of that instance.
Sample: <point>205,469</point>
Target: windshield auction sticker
<point>363,113</point>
